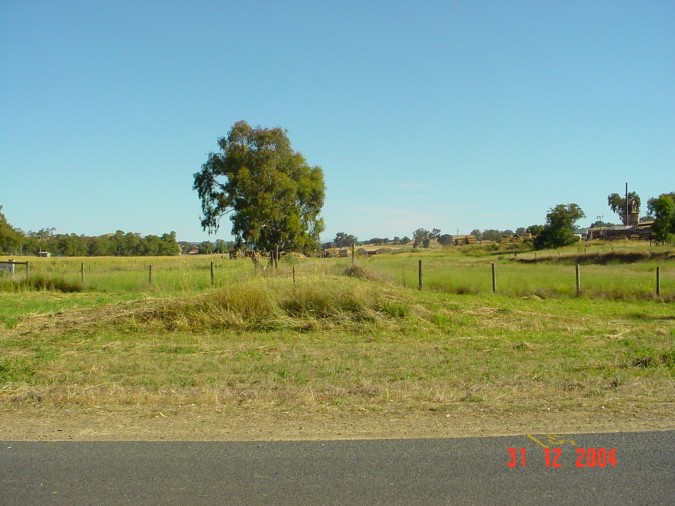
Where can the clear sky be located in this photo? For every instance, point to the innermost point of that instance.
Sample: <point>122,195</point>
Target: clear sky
<point>438,114</point>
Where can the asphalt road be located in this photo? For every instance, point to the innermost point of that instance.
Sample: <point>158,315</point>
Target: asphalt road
<point>422,471</point>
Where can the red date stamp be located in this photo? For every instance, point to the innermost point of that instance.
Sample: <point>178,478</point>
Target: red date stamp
<point>585,457</point>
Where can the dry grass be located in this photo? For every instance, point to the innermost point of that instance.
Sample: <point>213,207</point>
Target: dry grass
<point>255,304</point>
<point>334,344</point>
<point>345,345</point>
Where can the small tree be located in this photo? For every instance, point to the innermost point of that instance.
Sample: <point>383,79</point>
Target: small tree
<point>446,240</point>
<point>559,228</point>
<point>205,247</point>
<point>424,237</point>
<point>491,235</point>
<point>663,210</point>
<point>343,240</point>
<point>421,238</point>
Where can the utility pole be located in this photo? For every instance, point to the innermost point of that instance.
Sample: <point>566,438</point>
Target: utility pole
<point>625,222</point>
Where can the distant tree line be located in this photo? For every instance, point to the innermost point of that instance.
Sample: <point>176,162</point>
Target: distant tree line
<point>15,241</point>
<point>344,240</point>
<point>206,247</point>
<point>119,244</point>
<point>559,230</point>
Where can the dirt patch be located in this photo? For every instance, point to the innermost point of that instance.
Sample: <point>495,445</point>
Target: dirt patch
<point>198,424</point>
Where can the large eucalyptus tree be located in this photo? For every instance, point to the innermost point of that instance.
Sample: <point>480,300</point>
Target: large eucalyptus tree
<point>273,197</point>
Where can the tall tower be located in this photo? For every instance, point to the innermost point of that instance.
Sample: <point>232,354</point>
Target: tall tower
<point>632,213</point>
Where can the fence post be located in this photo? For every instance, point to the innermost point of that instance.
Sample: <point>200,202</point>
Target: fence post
<point>494,278</point>
<point>150,274</point>
<point>658,281</point>
<point>294,275</point>
<point>578,278</point>
<point>353,246</point>
<point>27,269</point>
<point>82,272</point>
<point>213,276</point>
<point>419,268</point>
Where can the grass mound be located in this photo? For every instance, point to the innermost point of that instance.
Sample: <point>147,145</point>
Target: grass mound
<point>258,304</point>
<point>277,304</point>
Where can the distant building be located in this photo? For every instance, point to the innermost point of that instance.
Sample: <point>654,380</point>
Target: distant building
<point>638,231</point>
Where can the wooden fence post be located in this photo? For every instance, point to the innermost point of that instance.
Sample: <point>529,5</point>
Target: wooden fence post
<point>658,281</point>
<point>419,268</point>
<point>494,278</point>
<point>213,276</point>
<point>82,272</point>
<point>150,274</point>
<point>578,279</point>
<point>294,275</point>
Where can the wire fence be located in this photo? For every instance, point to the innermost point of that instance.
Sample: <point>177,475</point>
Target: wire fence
<point>180,274</point>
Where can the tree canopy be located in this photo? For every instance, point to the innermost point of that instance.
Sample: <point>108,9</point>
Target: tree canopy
<point>446,240</point>
<point>9,237</point>
<point>343,240</point>
<point>559,228</point>
<point>663,210</point>
<point>118,244</point>
<point>617,204</point>
<point>423,237</point>
<point>272,195</point>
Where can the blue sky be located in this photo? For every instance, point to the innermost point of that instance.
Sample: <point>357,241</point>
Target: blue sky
<point>437,114</point>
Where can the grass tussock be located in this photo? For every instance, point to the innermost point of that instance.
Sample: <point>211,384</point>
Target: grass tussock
<point>41,282</point>
<point>357,271</point>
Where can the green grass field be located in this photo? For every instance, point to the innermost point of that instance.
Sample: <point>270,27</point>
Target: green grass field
<point>452,270</point>
<point>310,337</point>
